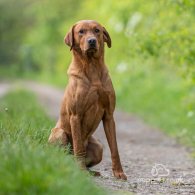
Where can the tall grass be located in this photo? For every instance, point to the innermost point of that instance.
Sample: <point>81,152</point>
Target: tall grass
<point>28,165</point>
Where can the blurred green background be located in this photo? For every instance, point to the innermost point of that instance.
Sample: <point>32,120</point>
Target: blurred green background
<point>151,61</point>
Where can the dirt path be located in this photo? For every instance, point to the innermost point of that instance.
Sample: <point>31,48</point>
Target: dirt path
<point>153,162</point>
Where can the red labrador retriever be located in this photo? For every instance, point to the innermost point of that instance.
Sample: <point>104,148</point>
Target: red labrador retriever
<point>89,98</point>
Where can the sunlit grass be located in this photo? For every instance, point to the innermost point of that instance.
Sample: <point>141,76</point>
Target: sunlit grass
<point>28,164</point>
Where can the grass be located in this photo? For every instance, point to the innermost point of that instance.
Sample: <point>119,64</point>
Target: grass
<point>159,98</point>
<point>28,164</point>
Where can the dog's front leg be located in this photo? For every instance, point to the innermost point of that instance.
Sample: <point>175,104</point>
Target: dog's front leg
<point>78,145</point>
<point>109,127</point>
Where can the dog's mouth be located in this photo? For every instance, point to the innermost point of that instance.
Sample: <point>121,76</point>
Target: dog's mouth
<point>91,50</point>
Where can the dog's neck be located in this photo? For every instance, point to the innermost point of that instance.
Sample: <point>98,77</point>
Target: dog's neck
<point>90,66</point>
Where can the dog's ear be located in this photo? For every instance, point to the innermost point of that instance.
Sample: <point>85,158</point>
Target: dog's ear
<point>69,38</point>
<point>107,38</point>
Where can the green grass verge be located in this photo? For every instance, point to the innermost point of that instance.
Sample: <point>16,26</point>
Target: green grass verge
<point>160,98</point>
<point>28,164</point>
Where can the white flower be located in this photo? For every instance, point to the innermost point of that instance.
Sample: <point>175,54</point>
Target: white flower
<point>133,21</point>
<point>121,67</point>
<point>117,24</point>
<point>190,114</point>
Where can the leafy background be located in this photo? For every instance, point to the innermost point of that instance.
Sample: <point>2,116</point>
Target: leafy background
<point>151,61</point>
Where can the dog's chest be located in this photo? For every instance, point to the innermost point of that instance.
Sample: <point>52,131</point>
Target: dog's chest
<point>101,93</point>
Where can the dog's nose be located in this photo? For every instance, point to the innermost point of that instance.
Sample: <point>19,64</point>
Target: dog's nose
<point>92,41</point>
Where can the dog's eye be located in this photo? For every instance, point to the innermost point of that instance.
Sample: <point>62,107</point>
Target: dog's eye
<point>97,30</point>
<point>81,31</point>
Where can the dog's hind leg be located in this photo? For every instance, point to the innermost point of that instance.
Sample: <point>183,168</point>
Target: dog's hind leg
<point>58,136</point>
<point>94,154</point>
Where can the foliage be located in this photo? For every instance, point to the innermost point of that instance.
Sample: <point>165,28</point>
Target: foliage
<point>28,164</point>
<point>12,30</point>
<point>32,32</point>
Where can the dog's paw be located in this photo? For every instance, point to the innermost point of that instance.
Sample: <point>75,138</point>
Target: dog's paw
<point>120,175</point>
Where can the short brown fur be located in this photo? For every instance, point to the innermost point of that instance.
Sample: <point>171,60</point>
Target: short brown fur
<point>89,98</point>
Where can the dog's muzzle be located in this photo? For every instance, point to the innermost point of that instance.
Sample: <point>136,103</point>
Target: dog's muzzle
<point>92,43</point>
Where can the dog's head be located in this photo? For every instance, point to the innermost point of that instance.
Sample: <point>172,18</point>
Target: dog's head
<point>87,36</point>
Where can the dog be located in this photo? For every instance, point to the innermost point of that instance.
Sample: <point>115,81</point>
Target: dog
<point>89,98</point>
